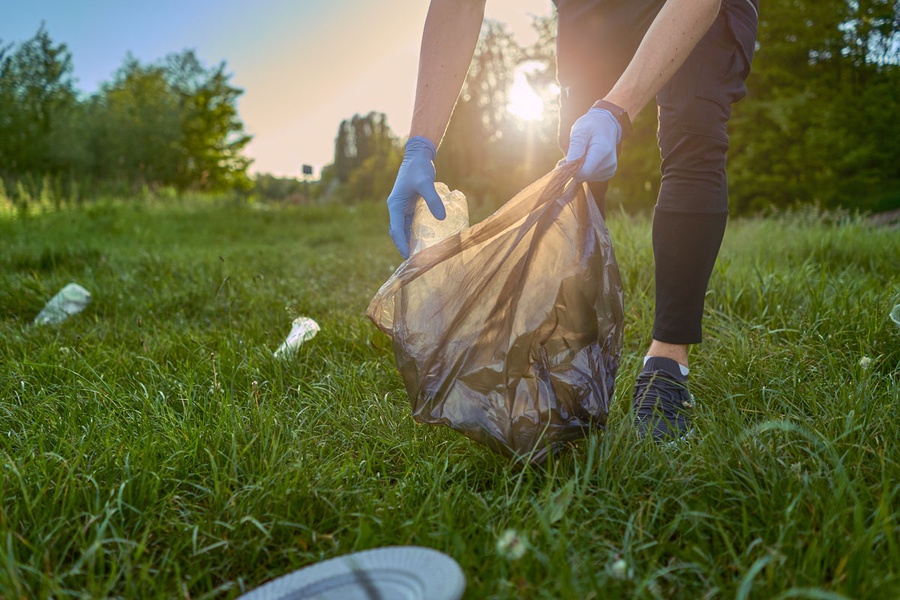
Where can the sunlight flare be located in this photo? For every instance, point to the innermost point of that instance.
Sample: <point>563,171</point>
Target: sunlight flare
<point>524,101</point>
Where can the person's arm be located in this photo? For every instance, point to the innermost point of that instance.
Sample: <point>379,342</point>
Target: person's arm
<point>670,39</point>
<point>448,44</point>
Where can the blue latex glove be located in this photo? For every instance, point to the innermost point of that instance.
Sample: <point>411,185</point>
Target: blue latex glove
<point>595,136</point>
<point>415,178</point>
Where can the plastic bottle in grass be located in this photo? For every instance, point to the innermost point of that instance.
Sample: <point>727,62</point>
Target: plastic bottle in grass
<point>69,301</point>
<point>427,231</point>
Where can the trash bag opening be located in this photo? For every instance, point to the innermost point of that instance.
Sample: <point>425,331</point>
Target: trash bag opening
<point>510,331</point>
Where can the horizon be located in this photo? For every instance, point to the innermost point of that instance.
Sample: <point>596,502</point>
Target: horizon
<point>274,59</point>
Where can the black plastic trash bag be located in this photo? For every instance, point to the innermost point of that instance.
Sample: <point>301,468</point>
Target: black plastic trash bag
<point>511,331</point>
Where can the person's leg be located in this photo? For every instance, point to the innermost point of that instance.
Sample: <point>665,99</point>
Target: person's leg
<point>692,208</point>
<point>691,211</point>
<point>595,42</point>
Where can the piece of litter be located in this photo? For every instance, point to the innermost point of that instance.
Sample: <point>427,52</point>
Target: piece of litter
<point>620,570</point>
<point>895,315</point>
<point>427,231</point>
<point>303,329</point>
<point>393,572</point>
<point>512,545</point>
<point>69,301</point>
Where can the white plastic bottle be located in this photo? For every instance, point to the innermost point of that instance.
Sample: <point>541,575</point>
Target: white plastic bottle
<point>427,231</point>
<point>69,301</point>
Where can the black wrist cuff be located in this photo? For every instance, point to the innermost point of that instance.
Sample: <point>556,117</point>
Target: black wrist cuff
<point>619,113</point>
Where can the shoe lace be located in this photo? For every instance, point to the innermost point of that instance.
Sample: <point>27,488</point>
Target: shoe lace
<point>659,395</point>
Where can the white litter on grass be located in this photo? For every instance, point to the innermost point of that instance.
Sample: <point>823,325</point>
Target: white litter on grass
<point>620,569</point>
<point>69,301</point>
<point>512,545</point>
<point>895,315</point>
<point>391,573</point>
<point>303,329</point>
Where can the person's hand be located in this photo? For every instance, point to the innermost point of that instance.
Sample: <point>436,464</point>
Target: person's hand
<point>415,178</point>
<point>595,136</point>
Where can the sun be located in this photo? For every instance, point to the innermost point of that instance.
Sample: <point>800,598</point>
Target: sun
<point>524,102</point>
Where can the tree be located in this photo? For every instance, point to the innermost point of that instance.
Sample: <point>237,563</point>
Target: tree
<point>213,137</point>
<point>280,189</point>
<point>138,120</point>
<point>171,123</point>
<point>366,157</point>
<point>819,124</point>
<point>359,139</point>
<point>472,155</point>
<point>36,99</point>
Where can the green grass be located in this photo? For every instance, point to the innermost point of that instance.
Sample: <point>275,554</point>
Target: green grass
<point>152,447</point>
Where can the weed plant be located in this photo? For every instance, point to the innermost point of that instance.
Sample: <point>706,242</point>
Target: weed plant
<point>152,447</point>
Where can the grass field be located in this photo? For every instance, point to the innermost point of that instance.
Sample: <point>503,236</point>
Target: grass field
<point>152,447</point>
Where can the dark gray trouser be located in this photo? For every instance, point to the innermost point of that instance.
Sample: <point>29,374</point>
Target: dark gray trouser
<point>595,42</point>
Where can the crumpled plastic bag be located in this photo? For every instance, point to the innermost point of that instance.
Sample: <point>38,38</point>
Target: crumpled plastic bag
<point>510,332</point>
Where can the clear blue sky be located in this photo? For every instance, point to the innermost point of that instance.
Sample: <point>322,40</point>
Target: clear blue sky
<point>304,64</point>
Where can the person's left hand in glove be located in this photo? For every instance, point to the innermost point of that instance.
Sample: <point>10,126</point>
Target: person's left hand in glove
<point>415,178</point>
<point>595,136</point>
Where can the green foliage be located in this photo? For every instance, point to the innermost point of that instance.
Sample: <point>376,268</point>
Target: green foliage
<point>818,125</point>
<point>366,159</point>
<point>636,184</point>
<point>359,139</point>
<point>373,178</point>
<point>136,120</point>
<point>174,123</point>
<point>152,447</point>
<point>37,100</point>
<point>280,189</point>
<point>212,134</point>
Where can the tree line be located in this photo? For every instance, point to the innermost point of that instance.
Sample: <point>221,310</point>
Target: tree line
<point>170,124</point>
<point>819,124</point>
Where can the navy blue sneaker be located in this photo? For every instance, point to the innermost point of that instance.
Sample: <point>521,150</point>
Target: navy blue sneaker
<point>662,402</point>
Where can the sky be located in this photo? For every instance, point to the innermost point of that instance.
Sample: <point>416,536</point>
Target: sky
<point>304,65</point>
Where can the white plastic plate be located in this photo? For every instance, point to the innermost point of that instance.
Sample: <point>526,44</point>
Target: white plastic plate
<point>392,573</point>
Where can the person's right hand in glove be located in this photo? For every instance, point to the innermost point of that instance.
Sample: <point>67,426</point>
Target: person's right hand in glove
<point>415,178</point>
<point>595,136</point>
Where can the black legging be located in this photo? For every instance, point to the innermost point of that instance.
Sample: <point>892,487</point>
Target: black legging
<point>595,42</point>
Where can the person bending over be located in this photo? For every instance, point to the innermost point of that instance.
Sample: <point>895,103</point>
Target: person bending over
<point>613,57</point>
